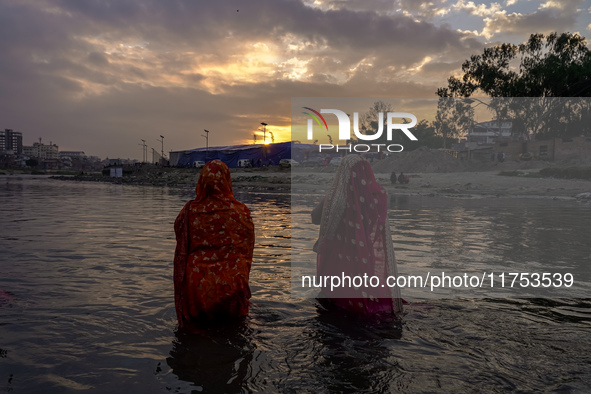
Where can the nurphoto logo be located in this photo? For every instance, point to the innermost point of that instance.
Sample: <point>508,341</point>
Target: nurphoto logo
<point>345,130</point>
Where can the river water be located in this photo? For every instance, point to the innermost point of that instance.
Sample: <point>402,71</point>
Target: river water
<point>86,301</point>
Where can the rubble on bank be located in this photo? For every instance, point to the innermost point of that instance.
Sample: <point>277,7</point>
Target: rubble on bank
<point>432,173</point>
<point>183,177</point>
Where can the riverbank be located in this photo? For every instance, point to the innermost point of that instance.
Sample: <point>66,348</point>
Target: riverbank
<point>526,183</point>
<point>469,184</point>
<point>272,176</point>
<point>490,183</point>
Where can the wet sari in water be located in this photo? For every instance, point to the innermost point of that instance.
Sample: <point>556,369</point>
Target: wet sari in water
<point>213,256</point>
<point>355,241</point>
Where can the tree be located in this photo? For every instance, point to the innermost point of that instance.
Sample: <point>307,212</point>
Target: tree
<point>426,136</point>
<point>549,66</point>
<point>454,116</point>
<point>369,121</point>
<point>426,133</point>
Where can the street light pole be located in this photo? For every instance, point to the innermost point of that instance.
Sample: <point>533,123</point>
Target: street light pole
<point>144,151</point>
<point>264,132</point>
<point>162,153</point>
<point>206,142</point>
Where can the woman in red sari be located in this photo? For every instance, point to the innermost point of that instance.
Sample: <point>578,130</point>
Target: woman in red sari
<point>355,241</point>
<point>213,256</point>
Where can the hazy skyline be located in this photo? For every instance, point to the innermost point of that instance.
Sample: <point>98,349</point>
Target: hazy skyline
<point>100,76</point>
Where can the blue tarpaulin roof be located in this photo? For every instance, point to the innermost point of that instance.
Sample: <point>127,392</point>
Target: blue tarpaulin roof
<point>267,154</point>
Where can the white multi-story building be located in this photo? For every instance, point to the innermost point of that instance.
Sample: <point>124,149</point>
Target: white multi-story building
<point>489,132</point>
<point>42,151</point>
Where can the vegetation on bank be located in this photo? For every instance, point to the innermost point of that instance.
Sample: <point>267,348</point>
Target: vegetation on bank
<point>549,66</point>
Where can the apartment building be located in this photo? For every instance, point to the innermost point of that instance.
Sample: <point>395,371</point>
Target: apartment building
<point>11,142</point>
<point>42,151</point>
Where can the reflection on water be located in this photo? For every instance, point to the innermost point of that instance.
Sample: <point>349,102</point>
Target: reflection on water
<point>216,357</point>
<point>474,237</point>
<point>86,301</point>
<point>494,235</point>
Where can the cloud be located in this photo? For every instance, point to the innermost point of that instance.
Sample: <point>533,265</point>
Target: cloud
<point>419,9</point>
<point>481,10</point>
<point>250,47</point>
<point>554,4</point>
<point>111,72</point>
<point>551,16</point>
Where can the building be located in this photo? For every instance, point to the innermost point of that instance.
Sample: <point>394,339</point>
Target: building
<point>265,154</point>
<point>72,154</point>
<point>11,142</point>
<point>489,133</point>
<point>562,149</point>
<point>42,151</point>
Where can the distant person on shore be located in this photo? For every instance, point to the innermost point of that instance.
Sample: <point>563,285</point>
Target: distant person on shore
<point>393,177</point>
<point>355,240</point>
<point>213,256</point>
<point>403,179</point>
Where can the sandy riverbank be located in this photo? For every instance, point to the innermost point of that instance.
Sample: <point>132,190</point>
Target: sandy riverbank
<point>452,184</point>
<point>490,183</point>
<point>465,184</point>
<point>455,184</point>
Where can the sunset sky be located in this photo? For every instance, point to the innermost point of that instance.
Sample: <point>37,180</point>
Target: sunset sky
<point>100,76</point>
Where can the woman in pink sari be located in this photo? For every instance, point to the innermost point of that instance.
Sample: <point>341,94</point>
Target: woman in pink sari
<point>355,241</point>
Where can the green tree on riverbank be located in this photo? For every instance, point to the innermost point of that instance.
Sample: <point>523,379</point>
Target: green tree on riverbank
<point>424,131</point>
<point>553,66</point>
<point>549,66</point>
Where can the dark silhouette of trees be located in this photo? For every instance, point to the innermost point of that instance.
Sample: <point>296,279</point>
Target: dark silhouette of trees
<point>549,66</point>
<point>32,162</point>
<point>453,118</point>
<point>553,70</point>
<point>424,131</point>
<point>369,121</point>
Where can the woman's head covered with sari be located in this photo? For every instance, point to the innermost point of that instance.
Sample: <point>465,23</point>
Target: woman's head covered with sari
<point>215,241</point>
<point>355,239</point>
<point>214,182</point>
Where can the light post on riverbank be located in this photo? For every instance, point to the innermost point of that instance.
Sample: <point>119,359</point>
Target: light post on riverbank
<point>144,151</point>
<point>264,132</point>
<point>162,154</point>
<point>206,142</point>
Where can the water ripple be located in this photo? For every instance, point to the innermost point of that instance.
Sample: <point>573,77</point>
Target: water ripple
<point>87,300</point>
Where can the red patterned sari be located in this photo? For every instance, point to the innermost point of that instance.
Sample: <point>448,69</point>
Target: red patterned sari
<point>213,256</point>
